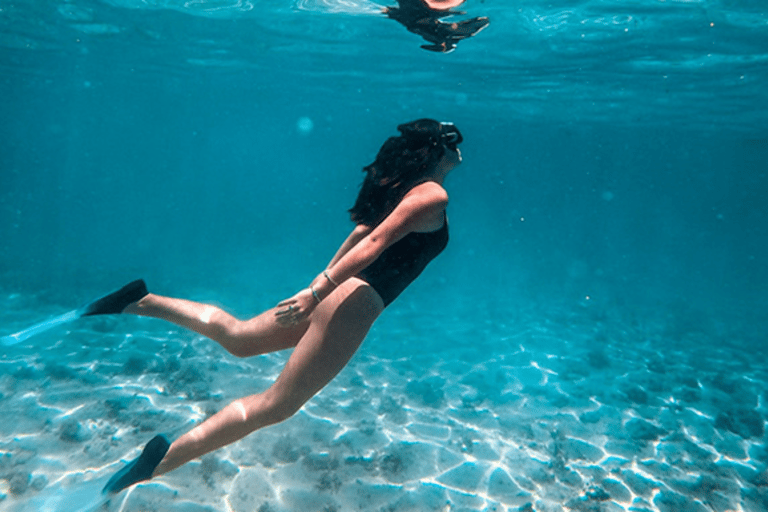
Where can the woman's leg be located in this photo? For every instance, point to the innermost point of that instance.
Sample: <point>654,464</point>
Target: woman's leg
<point>338,327</point>
<point>242,338</point>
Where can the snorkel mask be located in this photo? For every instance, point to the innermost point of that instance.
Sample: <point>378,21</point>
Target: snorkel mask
<point>450,135</point>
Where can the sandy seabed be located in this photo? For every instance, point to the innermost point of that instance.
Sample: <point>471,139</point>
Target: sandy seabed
<point>579,410</point>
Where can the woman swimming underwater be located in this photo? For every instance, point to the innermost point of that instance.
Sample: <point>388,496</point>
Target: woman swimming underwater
<point>401,225</point>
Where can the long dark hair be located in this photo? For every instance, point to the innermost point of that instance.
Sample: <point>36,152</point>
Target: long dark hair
<point>401,164</point>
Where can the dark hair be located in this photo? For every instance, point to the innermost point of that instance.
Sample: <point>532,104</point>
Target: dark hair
<point>401,164</point>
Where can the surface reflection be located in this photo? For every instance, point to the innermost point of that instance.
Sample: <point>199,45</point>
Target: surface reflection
<point>424,17</point>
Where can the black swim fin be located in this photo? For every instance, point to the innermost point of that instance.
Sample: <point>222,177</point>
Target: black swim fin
<point>116,302</point>
<point>140,468</point>
<point>113,303</point>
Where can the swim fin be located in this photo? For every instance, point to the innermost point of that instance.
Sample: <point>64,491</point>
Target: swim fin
<point>116,302</point>
<point>20,336</point>
<point>110,304</point>
<point>140,468</point>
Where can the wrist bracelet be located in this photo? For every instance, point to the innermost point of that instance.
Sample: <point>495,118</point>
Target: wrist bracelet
<point>314,294</point>
<point>334,283</point>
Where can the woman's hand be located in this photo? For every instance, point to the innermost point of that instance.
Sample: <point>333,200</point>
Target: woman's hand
<point>296,309</point>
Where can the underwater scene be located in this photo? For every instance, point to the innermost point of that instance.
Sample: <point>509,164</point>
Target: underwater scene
<point>594,337</point>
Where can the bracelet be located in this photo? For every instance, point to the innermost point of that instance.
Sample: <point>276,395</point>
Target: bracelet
<point>314,294</point>
<point>334,283</point>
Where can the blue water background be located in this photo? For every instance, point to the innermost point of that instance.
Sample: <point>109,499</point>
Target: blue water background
<point>631,138</point>
<point>614,161</point>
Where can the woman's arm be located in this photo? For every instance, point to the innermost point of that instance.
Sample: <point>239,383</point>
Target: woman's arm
<point>418,210</point>
<point>354,237</point>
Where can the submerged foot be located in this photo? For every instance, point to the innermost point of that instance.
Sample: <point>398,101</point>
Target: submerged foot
<point>140,468</point>
<point>116,302</point>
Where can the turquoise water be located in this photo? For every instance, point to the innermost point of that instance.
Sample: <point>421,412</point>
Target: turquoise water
<point>593,338</point>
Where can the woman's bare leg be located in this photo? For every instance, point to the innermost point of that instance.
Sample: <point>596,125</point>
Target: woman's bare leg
<point>242,338</point>
<point>338,326</point>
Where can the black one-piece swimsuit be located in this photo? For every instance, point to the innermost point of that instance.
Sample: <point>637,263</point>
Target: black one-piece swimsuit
<point>402,262</point>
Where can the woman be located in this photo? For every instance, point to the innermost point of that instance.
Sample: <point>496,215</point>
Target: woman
<point>401,226</point>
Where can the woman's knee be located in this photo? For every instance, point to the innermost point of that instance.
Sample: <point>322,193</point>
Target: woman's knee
<point>281,406</point>
<point>232,336</point>
<point>285,408</point>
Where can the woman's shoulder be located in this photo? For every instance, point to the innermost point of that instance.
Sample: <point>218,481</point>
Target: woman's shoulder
<point>424,206</point>
<point>429,192</point>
